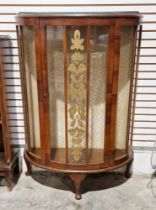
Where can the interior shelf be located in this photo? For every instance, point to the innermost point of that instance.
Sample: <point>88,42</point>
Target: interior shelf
<point>94,155</point>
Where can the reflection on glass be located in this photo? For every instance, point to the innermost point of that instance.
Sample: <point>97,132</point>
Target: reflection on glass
<point>55,64</point>
<point>31,81</point>
<point>126,49</point>
<point>97,95</point>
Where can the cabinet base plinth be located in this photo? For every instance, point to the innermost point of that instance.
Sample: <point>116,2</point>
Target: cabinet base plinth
<point>75,173</point>
<point>8,170</point>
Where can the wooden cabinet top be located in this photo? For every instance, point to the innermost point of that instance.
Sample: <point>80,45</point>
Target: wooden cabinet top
<point>80,14</point>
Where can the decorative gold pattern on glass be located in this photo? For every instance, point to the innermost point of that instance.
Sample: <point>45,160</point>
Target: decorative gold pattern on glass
<point>77,96</point>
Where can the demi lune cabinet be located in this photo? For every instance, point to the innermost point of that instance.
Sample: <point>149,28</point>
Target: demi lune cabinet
<point>77,72</point>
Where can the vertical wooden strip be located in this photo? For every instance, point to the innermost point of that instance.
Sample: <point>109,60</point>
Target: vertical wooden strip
<point>108,94</point>
<point>115,81</point>
<point>65,90</point>
<point>30,94</point>
<point>87,89</point>
<point>131,90</point>
<point>23,85</point>
<point>40,87</point>
<point>46,142</point>
<point>4,117</point>
<point>136,80</point>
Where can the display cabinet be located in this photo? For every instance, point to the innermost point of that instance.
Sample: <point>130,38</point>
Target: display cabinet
<point>9,157</point>
<point>77,72</point>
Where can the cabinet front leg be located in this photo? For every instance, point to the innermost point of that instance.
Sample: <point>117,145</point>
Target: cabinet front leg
<point>9,180</point>
<point>128,172</point>
<point>28,172</point>
<point>77,179</point>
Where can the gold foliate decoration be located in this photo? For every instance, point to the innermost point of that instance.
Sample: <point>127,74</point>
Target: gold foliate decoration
<point>77,43</point>
<point>77,96</point>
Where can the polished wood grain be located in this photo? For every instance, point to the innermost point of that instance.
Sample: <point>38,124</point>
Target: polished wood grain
<point>110,69</point>
<point>94,155</point>
<point>45,143</point>
<point>114,83</point>
<point>65,91</point>
<point>40,86</point>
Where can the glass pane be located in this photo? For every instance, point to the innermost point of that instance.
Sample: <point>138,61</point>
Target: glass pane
<point>31,82</point>
<point>55,63</point>
<point>97,95</point>
<point>125,74</point>
<point>76,93</point>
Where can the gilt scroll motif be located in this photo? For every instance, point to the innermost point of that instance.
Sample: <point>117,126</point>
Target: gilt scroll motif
<point>77,96</point>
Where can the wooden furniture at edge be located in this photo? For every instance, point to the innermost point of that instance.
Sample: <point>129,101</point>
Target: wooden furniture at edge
<point>77,72</point>
<point>9,158</point>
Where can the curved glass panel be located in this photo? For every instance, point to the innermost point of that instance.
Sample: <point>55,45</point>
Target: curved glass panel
<point>32,93</point>
<point>125,75</point>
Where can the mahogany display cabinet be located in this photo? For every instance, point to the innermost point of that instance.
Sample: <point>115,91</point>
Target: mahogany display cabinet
<point>10,161</point>
<point>77,72</point>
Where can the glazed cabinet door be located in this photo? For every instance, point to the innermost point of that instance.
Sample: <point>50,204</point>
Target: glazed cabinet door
<point>125,86</point>
<point>119,89</point>
<point>76,62</point>
<point>78,75</point>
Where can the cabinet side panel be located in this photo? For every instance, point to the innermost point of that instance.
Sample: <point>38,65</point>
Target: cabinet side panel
<point>31,82</point>
<point>125,76</point>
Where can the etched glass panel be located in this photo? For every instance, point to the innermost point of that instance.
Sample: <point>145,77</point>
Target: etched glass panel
<point>125,74</point>
<point>55,64</point>
<point>31,83</point>
<point>76,93</point>
<point>97,95</point>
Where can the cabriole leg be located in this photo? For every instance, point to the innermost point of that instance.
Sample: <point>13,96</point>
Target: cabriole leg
<point>77,179</point>
<point>128,172</point>
<point>28,172</point>
<point>9,180</point>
